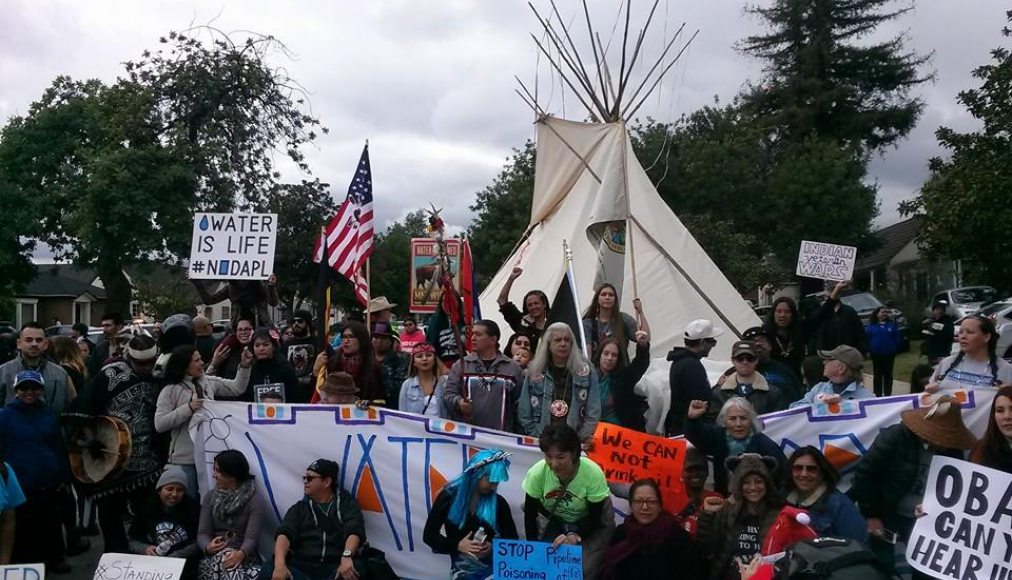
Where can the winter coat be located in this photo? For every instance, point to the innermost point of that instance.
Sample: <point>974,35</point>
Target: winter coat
<point>718,533</point>
<point>853,391</point>
<point>836,327</point>
<point>55,392</point>
<point>883,337</point>
<point>493,393</point>
<point>628,406</point>
<point>833,514</point>
<point>584,402</point>
<point>938,337</point>
<point>764,397</point>
<point>270,371</point>
<point>318,537</point>
<point>712,441</point>
<point>677,552</point>
<point>32,444</point>
<point>689,382</point>
<point>172,412</point>
<point>153,524</point>
<point>888,472</point>
<point>790,350</point>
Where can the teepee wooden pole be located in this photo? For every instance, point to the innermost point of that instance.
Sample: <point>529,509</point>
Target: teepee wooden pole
<point>633,110</point>
<point>646,77</point>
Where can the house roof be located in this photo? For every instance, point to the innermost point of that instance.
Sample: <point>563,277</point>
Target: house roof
<point>62,280</point>
<point>894,238</point>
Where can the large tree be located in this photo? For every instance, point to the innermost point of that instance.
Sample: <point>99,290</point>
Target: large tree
<point>112,173</point>
<point>502,213</point>
<point>964,205</point>
<point>823,76</point>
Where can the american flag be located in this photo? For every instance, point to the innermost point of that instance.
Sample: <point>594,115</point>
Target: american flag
<point>349,234</point>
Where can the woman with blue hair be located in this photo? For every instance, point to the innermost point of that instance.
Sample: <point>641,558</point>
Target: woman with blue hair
<point>468,514</point>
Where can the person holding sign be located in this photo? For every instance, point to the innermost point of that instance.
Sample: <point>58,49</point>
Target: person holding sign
<point>567,498</point>
<point>891,478</point>
<point>472,514</point>
<point>995,449</point>
<point>737,431</point>
<point>977,365</point>
<point>271,376</point>
<point>249,298</point>
<point>560,387</point>
<point>650,543</point>
<point>836,323</point>
<point>186,388</point>
<point>732,531</point>
<point>620,405</point>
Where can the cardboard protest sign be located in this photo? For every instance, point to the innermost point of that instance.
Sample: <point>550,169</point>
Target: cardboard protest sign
<point>626,455</point>
<point>967,532</point>
<point>233,246</point>
<point>269,393</point>
<point>424,252</point>
<point>134,567</point>
<point>23,572</point>
<point>513,559</point>
<point>826,261</point>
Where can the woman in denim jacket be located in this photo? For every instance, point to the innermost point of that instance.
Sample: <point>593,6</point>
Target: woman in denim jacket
<point>561,386</point>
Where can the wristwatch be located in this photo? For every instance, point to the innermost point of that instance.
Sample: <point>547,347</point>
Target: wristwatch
<point>346,554</point>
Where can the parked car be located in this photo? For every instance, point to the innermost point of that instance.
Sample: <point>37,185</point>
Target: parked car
<point>94,332</point>
<point>219,328</point>
<point>965,301</point>
<point>864,303</point>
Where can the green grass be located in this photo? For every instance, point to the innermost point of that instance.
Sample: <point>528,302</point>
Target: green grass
<point>906,361</point>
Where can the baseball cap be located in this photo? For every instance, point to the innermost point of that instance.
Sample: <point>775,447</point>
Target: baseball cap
<point>25,378</point>
<point>848,355</point>
<point>701,329</point>
<point>755,332</point>
<point>326,468</point>
<point>743,347</point>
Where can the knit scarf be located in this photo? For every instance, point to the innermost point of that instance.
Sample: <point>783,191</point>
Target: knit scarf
<point>638,537</point>
<point>736,447</point>
<point>226,503</point>
<point>351,364</point>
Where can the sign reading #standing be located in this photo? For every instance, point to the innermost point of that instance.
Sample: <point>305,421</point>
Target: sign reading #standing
<point>826,261</point>
<point>233,246</point>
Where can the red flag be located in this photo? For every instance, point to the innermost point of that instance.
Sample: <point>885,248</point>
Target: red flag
<point>350,233</point>
<point>467,282</point>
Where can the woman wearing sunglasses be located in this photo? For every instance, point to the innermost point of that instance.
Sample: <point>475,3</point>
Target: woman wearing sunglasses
<point>812,487</point>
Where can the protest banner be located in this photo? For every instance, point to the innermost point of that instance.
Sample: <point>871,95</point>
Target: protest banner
<point>626,455</point>
<point>826,261</point>
<point>966,532</point>
<point>233,246</point>
<point>517,559</point>
<point>114,566</point>
<point>421,299</point>
<point>23,572</point>
<point>395,463</point>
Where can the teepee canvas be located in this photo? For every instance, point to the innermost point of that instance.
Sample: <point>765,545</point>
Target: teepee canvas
<point>588,182</point>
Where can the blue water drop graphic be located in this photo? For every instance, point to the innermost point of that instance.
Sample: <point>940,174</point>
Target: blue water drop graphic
<point>203,223</point>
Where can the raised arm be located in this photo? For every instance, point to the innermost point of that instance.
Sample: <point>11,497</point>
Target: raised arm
<point>504,294</point>
<point>210,297</point>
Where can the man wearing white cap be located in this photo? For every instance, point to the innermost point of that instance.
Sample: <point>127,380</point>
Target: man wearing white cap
<point>687,378</point>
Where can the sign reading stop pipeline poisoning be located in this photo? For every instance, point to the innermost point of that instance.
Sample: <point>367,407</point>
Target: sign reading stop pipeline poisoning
<point>233,246</point>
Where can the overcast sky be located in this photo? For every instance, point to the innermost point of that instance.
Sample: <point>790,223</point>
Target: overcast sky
<point>430,83</point>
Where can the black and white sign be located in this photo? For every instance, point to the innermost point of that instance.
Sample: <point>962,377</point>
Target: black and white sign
<point>967,532</point>
<point>134,567</point>
<point>235,246</point>
<point>826,261</point>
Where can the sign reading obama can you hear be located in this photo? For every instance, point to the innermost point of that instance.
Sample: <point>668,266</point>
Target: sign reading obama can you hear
<point>966,533</point>
<point>236,246</point>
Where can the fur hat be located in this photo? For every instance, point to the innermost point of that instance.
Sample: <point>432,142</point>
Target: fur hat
<point>748,464</point>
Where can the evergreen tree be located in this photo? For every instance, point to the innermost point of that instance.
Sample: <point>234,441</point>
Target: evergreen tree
<point>822,78</point>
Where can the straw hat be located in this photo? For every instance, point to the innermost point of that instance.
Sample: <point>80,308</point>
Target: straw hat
<point>940,424</point>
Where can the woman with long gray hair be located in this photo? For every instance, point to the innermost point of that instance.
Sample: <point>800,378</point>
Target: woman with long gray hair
<point>561,386</point>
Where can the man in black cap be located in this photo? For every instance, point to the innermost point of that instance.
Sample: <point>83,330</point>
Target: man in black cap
<point>321,535</point>
<point>301,351</point>
<point>393,365</point>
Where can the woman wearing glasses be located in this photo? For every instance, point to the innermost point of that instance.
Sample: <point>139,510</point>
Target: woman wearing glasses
<point>650,543</point>
<point>231,517</point>
<point>976,365</point>
<point>813,487</point>
<point>355,357</point>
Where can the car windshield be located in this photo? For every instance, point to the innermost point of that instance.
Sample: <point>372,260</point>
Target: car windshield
<point>994,308</point>
<point>966,295</point>
<point>861,302</point>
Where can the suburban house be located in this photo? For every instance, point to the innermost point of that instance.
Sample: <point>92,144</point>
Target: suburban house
<point>897,271</point>
<point>70,294</point>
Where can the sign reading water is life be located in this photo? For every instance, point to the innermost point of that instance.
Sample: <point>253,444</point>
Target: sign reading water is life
<point>236,246</point>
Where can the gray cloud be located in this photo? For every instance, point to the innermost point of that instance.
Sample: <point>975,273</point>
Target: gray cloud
<point>430,84</point>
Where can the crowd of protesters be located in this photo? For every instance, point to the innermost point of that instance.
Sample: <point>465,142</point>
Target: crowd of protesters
<point>540,383</point>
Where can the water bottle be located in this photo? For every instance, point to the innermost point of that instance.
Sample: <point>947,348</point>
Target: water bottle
<point>163,548</point>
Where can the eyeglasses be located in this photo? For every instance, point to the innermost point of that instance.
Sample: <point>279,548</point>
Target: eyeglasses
<point>308,478</point>
<point>800,468</point>
<point>348,337</point>
<point>645,502</point>
<point>744,358</point>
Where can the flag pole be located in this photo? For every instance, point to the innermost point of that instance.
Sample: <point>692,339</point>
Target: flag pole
<point>576,298</point>
<point>368,292</point>
<point>632,258</point>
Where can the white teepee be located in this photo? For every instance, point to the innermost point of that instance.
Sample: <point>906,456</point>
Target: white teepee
<point>587,176</point>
